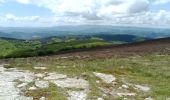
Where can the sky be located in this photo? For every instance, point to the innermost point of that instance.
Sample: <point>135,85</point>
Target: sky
<point>46,13</point>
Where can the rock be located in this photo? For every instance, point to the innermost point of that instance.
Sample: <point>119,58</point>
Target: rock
<point>39,75</point>
<point>77,95</point>
<point>143,88</point>
<point>99,98</point>
<point>22,85</point>
<point>32,88</point>
<point>148,98</point>
<point>126,94</point>
<point>125,86</point>
<point>42,84</point>
<point>40,68</point>
<point>105,77</point>
<point>8,90</point>
<point>27,78</point>
<point>71,83</point>
<point>55,76</point>
<point>168,99</point>
<point>42,98</point>
<point>98,82</point>
<point>22,98</point>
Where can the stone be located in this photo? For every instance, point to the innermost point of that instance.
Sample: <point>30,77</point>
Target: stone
<point>126,94</point>
<point>107,78</point>
<point>40,68</point>
<point>77,95</point>
<point>22,98</point>
<point>42,98</point>
<point>8,88</point>
<point>142,88</point>
<point>55,76</point>
<point>22,85</point>
<point>125,86</point>
<point>32,88</point>
<point>42,84</point>
<point>148,98</point>
<point>99,98</point>
<point>39,75</point>
<point>71,83</point>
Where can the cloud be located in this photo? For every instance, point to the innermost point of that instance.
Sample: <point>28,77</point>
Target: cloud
<point>11,17</point>
<point>139,6</point>
<point>91,9</point>
<point>130,12</point>
<point>24,1</point>
<point>2,1</point>
<point>157,2</point>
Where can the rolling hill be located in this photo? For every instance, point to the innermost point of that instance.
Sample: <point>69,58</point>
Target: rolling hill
<point>44,32</point>
<point>53,45</point>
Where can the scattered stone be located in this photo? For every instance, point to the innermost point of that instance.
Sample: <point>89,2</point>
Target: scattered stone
<point>42,98</point>
<point>71,83</point>
<point>77,95</point>
<point>8,91</point>
<point>29,77</point>
<point>120,87</point>
<point>22,98</point>
<point>64,57</point>
<point>42,84</point>
<point>168,99</point>
<point>126,94</point>
<point>32,88</point>
<point>125,86</point>
<point>143,88</point>
<point>148,98</point>
<point>55,76</point>
<point>104,95</point>
<point>105,77</point>
<point>22,85</point>
<point>99,98</point>
<point>40,68</point>
<point>39,75</point>
<point>98,82</point>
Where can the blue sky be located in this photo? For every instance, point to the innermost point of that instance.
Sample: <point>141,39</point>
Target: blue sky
<point>44,13</point>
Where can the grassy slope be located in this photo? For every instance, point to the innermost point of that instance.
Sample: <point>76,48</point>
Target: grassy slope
<point>152,70</point>
<point>35,48</point>
<point>52,45</point>
<point>6,47</point>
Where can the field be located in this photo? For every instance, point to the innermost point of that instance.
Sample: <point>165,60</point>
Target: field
<point>139,73</point>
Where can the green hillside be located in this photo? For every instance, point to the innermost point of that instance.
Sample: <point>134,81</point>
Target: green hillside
<point>28,48</point>
<point>13,48</point>
<point>6,47</point>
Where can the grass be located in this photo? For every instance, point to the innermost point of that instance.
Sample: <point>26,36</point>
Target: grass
<point>30,48</point>
<point>151,70</point>
<point>6,47</point>
<point>51,93</point>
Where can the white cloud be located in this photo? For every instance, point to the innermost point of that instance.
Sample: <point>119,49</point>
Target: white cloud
<point>159,18</point>
<point>24,1</point>
<point>157,2</point>
<point>2,1</point>
<point>132,12</point>
<point>11,17</point>
<point>91,9</point>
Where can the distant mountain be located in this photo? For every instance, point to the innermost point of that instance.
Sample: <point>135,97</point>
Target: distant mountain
<point>44,32</point>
